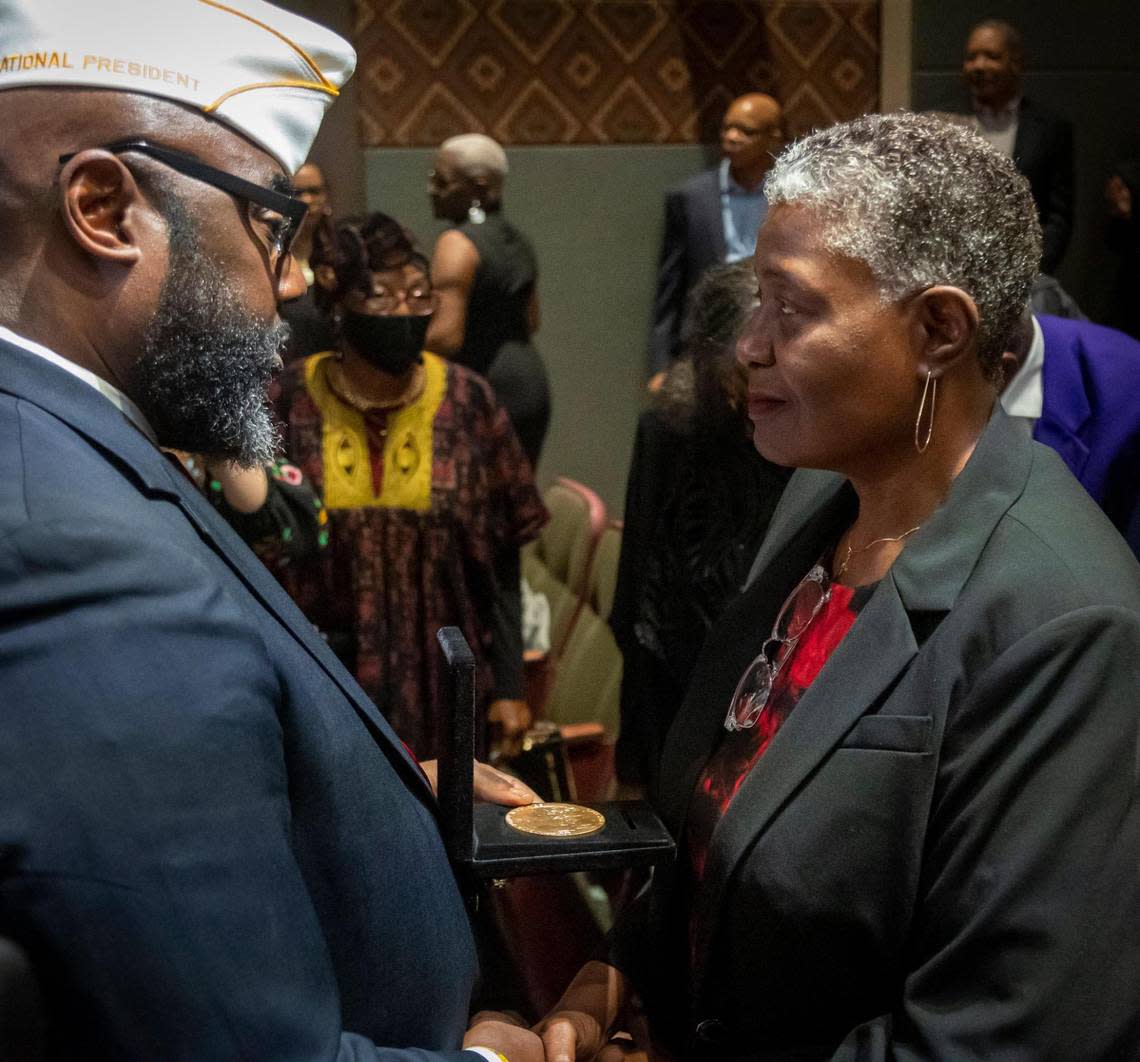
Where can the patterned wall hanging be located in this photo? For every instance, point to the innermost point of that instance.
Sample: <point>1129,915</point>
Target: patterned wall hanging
<point>606,71</point>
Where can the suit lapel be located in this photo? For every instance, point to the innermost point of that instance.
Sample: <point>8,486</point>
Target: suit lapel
<point>225,542</point>
<point>70,400</point>
<point>709,222</point>
<point>1028,137</point>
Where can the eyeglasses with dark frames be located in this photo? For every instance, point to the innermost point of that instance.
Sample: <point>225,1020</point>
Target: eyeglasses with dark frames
<point>282,215</point>
<point>754,689</point>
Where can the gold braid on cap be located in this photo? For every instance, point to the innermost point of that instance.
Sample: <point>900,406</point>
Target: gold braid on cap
<point>321,85</point>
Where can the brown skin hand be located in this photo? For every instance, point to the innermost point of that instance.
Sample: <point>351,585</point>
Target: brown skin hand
<point>1119,198</point>
<point>88,248</point>
<point>490,785</point>
<point>751,135</point>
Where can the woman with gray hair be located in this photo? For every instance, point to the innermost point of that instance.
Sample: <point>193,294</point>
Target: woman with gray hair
<point>904,780</point>
<point>486,283</point>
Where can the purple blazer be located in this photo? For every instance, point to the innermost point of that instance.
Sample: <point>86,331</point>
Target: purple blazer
<point>1091,414</point>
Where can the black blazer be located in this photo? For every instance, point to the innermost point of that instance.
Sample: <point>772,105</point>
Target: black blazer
<point>693,241</point>
<point>1043,151</point>
<point>937,856</point>
<point>213,845</point>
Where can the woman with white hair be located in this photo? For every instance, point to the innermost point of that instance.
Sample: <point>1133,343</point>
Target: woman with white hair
<point>904,778</point>
<point>486,281</point>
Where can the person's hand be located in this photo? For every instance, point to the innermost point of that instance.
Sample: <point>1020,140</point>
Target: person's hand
<point>490,785</point>
<point>622,1050</point>
<point>245,489</point>
<point>569,1035</point>
<point>500,1033</point>
<point>510,720</point>
<point>579,1026</point>
<point>513,716</point>
<point>1119,197</point>
<point>495,787</point>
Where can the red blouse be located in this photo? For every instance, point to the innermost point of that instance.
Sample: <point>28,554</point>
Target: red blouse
<point>739,751</point>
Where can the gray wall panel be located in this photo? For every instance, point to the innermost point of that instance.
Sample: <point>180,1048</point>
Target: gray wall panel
<point>594,215</point>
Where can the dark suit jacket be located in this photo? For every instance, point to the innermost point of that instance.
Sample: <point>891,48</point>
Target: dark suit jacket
<point>1043,151</point>
<point>213,845</point>
<point>936,858</point>
<point>1091,414</point>
<point>693,241</point>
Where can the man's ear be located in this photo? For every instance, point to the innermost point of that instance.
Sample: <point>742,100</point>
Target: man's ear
<point>325,277</point>
<point>946,328</point>
<point>99,200</point>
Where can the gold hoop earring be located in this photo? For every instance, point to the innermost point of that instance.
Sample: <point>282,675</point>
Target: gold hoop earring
<point>931,387</point>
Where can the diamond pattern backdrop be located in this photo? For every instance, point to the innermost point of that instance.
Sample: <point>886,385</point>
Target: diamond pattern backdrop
<point>606,71</point>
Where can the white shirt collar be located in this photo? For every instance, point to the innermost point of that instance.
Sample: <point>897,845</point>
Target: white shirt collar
<point>999,116</point>
<point>107,390</point>
<point>1025,395</point>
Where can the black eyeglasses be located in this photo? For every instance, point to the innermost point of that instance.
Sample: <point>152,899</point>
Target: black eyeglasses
<point>281,214</point>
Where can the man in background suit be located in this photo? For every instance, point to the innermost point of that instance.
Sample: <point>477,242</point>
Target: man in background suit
<point>1073,384</point>
<point>714,216</point>
<point>214,845</point>
<point>1039,141</point>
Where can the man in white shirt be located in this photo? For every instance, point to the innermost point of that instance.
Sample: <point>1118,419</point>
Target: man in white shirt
<point>1040,142</point>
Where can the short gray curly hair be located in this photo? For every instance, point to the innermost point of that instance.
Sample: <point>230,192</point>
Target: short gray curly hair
<point>921,201</point>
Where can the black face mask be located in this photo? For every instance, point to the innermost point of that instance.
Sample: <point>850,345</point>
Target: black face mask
<point>391,344</point>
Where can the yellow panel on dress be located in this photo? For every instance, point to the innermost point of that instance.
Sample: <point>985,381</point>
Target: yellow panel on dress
<point>407,447</point>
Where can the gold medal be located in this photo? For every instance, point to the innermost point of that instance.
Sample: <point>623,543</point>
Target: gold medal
<point>556,820</point>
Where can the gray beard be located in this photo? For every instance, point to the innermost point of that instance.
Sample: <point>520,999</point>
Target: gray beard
<point>202,380</point>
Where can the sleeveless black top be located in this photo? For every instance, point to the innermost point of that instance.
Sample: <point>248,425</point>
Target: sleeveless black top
<point>496,340</point>
<point>504,281</point>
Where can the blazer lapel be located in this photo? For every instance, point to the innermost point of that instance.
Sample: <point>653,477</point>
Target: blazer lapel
<point>874,652</point>
<point>807,492</point>
<point>806,531</point>
<point>70,400</point>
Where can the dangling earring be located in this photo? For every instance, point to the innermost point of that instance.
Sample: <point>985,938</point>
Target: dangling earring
<point>475,213</point>
<point>930,386</point>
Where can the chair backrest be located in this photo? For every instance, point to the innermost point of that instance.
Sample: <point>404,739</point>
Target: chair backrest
<point>564,603</point>
<point>566,544</point>
<point>587,676</point>
<point>604,570</point>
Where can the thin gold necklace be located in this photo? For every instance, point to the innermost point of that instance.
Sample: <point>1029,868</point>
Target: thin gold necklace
<point>362,403</point>
<point>851,550</point>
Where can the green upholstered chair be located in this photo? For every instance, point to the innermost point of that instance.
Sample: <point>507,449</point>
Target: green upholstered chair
<point>604,570</point>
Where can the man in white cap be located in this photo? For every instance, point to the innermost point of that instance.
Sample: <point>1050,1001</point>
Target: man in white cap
<point>211,844</point>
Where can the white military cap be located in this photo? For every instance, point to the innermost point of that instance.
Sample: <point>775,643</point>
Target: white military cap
<point>264,71</point>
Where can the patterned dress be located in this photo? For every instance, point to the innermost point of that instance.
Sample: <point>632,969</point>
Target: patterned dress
<point>421,502</point>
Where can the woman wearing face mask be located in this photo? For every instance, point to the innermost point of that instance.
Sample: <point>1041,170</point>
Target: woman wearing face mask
<point>428,493</point>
